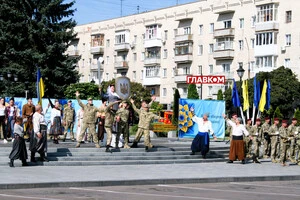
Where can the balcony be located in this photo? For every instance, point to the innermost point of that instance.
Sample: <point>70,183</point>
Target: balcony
<point>186,58</point>
<point>121,65</point>
<point>266,50</point>
<point>97,50</point>
<point>266,26</point>
<point>180,78</point>
<point>223,50</point>
<point>151,81</point>
<point>73,52</point>
<point>183,38</point>
<point>152,61</point>
<point>228,74</point>
<point>94,67</point>
<point>154,42</point>
<point>122,47</point>
<point>227,32</point>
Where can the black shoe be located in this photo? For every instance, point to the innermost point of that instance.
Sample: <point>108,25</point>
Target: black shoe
<point>24,163</point>
<point>82,142</point>
<point>11,163</point>
<point>256,161</point>
<point>134,145</point>
<point>32,158</point>
<point>43,158</point>
<point>243,162</point>
<point>229,161</point>
<point>193,153</point>
<point>204,156</point>
<point>64,140</point>
<point>108,149</point>
<point>146,148</point>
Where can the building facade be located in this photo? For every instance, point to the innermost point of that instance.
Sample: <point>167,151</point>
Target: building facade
<point>211,37</point>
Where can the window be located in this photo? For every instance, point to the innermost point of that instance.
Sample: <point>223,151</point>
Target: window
<point>211,48</point>
<point>200,50</point>
<point>175,32</point>
<point>288,39</point>
<point>287,63</point>
<point>108,43</point>
<point>211,28</point>
<point>166,35</point>
<point>135,39</point>
<point>253,21</point>
<point>107,76</point>
<point>142,56</point>
<point>83,48</point>
<point>210,92</point>
<point>174,72</point>
<point>165,53</point>
<point>97,40</point>
<point>200,69</point>
<point>211,69</point>
<point>266,38</point>
<point>107,60</point>
<point>134,75</point>
<point>266,61</point>
<point>152,91</point>
<point>242,23</point>
<point>152,71</point>
<point>241,45</point>
<point>151,31</point>
<point>164,72</point>
<point>142,74</point>
<point>183,49</point>
<point>187,30</point>
<point>252,65</point>
<point>226,68</point>
<point>227,24</point>
<point>252,43</point>
<point>184,90</point>
<point>82,63</point>
<point>186,70</point>
<point>288,16</point>
<point>134,57</point>
<point>201,29</point>
<point>120,39</point>
<point>164,92</point>
<point>266,13</point>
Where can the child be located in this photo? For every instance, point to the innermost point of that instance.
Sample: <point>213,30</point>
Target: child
<point>19,147</point>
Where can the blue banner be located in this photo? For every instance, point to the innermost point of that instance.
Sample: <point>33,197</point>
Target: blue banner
<point>188,129</point>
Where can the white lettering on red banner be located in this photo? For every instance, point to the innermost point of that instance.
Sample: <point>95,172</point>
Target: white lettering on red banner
<point>205,79</point>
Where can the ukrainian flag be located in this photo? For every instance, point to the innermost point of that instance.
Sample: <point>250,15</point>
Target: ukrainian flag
<point>39,86</point>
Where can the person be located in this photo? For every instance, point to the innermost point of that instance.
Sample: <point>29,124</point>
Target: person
<point>56,128</point>
<point>248,142</point>
<point>80,113</point>
<point>38,139</point>
<point>113,96</point>
<point>237,149</point>
<point>28,110</point>
<point>229,128</point>
<point>89,120</point>
<point>143,126</point>
<point>123,113</point>
<point>292,132</point>
<point>68,120</point>
<point>284,142</point>
<point>3,134</point>
<point>274,134</point>
<point>11,112</point>
<point>201,141</point>
<point>256,134</point>
<point>266,138</point>
<point>19,147</point>
<point>101,120</point>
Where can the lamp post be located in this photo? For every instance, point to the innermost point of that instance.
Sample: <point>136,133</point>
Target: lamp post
<point>7,81</point>
<point>240,71</point>
<point>92,81</point>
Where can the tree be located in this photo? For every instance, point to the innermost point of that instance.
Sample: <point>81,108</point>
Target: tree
<point>37,34</point>
<point>220,95</point>
<point>297,116</point>
<point>157,107</point>
<point>175,107</point>
<point>192,92</point>
<point>277,113</point>
<point>86,90</point>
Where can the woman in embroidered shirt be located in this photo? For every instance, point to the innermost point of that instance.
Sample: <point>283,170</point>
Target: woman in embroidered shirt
<point>56,128</point>
<point>201,141</point>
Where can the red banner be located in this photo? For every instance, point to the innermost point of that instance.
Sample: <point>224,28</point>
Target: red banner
<point>205,79</point>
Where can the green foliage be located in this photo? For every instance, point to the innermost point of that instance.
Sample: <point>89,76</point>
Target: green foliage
<point>278,114</point>
<point>220,95</point>
<point>192,92</point>
<point>297,116</point>
<point>175,107</point>
<point>156,107</point>
<point>133,129</point>
<point>86,90</point>
<point>37,33</point>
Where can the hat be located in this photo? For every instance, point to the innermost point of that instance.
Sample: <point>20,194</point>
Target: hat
<point>124,101</point>
<point>258,120</point>
<point>284,121</point>
<point>267,118</point>
<point>294,119</point>
<point>276,119</point>
<point>249,120</point>
<point>69,101</point>
<point>90,98</point>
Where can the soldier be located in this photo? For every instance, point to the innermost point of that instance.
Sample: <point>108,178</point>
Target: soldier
<point>284,142</point>
<point>123,127</point>
<point>274,134</point>
<point>68,120</point>
<point>292,132</point>
<point>27,112</point>
<point>248,142</point>
<point>89,120</point>
<point>143,126</point>
<point>266,138</point>
<point>256,134</point>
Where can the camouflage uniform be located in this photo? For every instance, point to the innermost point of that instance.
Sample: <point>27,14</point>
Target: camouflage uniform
<point>109,121</point>
<point>88,122</point>
<point>292,130</point>
<point>143,126</point>
<point>256,133</point>
<point>284,143</point>
<point>123,125</point>
<point>69,118</point>
<point>248,142</point>
<point>274,134</point>
<point>267,143</point>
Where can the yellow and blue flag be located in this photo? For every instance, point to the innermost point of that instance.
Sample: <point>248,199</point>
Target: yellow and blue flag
<point>263,99</point>
<point>39,87</point>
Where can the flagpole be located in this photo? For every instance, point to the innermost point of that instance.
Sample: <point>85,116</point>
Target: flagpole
<point>242,114</point>
<point>253,114</point>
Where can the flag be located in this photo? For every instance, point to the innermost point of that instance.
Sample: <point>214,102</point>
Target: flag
<point>245,95</point>
<point>256,92</point>
<point>39,86</point>
<point>268,96</point>
<point>263,99</point>
<point>235,96</point>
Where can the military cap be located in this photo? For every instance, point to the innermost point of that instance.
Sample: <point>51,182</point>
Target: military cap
<point>276,119</point>
<point>258,120</point>
<point>294,119</point>
<point>267,118</point>
<point>284,121</point>
<point>90,98</point>
<point>69,101</point>
<point>249,120</point>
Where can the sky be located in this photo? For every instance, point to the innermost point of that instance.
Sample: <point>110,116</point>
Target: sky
<point>98,10</point>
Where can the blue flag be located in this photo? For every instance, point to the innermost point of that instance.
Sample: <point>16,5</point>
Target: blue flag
<point>235,96</point>
<point>255,101</point>
<point>268,103</point>
<point>258,92</point>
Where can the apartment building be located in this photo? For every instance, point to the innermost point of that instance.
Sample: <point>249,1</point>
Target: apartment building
<point>211,37</point>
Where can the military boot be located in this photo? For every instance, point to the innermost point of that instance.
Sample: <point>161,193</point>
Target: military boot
<point>255,159</point>
<point>77,145</point>
<point>97,145</point>
<point>108,149</point>
<point>134,145</point>
<point>11,163</point>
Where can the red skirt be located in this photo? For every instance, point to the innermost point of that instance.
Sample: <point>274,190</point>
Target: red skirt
<point>237,150</point>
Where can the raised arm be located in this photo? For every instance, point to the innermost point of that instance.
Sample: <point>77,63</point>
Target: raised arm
<point>79,101</point>
<point>134,107</point>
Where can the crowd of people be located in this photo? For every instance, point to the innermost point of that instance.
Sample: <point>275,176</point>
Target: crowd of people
<point>111,117</point>
<point>279,142</point>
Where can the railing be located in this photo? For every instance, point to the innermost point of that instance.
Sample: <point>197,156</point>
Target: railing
<point>221,46</point>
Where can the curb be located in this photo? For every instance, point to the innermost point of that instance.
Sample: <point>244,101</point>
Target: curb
<point>149,182</point>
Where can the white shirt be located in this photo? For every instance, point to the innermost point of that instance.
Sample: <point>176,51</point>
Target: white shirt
<point>54,113</point>
<point>11,111</point>
<point>2,111</point>
<point>203,126</point>
<point>37,120</point>
<point>237,130</point>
